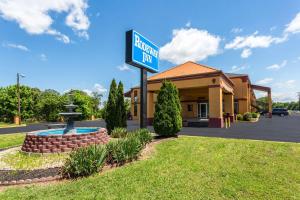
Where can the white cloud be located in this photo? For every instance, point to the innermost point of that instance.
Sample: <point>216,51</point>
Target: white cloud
<point>43,57</point>
<point>188,24</point>
<point>235,68</point>
<point>33,15</point>
<point>289,84</point>
<point>277,66</point>
<point>246,53</point>
<point>254,41</point>
<point>265,81</point>
<point>236,30</point>
<point>294,25</point>
<point>124,67</point>
<point>15,46</point>
<point>284,96</point>
<point>97,88</point>
<point>190,44</point>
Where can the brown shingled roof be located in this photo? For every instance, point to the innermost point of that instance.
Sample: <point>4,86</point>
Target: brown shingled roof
<point>188,68</point>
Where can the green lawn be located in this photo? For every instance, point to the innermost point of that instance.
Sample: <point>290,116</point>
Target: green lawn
<point>8,125</point>
<point>8,140</point>
<point>190,168</point>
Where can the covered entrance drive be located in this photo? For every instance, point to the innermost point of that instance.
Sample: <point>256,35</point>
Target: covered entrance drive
<point>204,97</point>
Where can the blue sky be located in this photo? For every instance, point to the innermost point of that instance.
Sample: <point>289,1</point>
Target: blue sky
<point>64,44</point>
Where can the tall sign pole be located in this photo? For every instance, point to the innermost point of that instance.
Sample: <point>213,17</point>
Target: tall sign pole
<point>142,53</point>
<point>143,97</point>
<point>299,99</point>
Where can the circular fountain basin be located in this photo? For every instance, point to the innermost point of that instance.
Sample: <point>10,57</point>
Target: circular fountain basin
<point>55,141</point>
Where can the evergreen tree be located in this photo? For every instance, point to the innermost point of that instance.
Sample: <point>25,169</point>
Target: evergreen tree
<point>121,107</point>
<point>167,116</point>
<point>110,114</point>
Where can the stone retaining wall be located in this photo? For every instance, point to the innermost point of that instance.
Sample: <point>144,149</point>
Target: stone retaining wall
<point>62,143</point>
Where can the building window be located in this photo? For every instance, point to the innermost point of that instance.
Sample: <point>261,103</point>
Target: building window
<point>190,107</point>
<point>236,107</point>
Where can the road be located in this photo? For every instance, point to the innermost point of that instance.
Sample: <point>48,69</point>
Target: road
<point>285,129</point>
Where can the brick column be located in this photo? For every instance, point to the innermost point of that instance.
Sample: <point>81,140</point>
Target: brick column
<point>270,103</point>
<point>229,106</point>
<point>215,107</point>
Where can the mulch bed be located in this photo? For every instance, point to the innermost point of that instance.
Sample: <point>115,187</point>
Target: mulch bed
<point>16,175</point>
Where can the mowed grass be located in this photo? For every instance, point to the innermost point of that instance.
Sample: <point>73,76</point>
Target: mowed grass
<point>9,140</point>
<point>189,168</point>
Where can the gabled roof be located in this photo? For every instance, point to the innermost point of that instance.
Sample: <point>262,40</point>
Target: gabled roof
<point>233,75</point>
<point>185,69</point>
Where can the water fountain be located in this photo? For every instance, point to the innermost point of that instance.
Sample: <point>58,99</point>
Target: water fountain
<point>67,139</point>
<point>70,116</point>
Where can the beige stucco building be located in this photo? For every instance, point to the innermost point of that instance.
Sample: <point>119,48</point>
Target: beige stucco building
<point>206,93</point>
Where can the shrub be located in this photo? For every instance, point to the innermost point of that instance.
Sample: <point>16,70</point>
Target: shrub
<point>167,116</point>
<point>123,150</point>
<point>85,161</point>
<point>111,107</point>
<point>254,115</point>
<point>247,116</point>
<point>119,133</point>
<point>143,135</point>
<point>239,117</point>
<point>121,114</point>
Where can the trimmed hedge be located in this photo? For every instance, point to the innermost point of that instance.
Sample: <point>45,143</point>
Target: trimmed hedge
<point>247,116</point>
<point>254,115</point>
<point>239,117</point>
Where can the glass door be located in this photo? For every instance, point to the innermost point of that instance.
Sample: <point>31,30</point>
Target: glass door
<point>202,110</point>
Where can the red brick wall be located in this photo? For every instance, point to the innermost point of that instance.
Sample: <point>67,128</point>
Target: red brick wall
<point>62,143</point>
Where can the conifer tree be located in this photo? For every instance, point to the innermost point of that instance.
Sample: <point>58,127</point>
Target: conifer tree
<point>167,116</point>
<point>121,108</point>
<point>111,108</point>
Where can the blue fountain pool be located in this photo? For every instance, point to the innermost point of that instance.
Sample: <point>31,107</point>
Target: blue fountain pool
<point>79,131</point>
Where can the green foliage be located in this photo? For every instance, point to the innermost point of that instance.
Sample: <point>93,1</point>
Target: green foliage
<point>38,105</point>
<point>254,115</point>
<point>84,102</point>
<point>247,116</point>
<point>143,135</point>
<point>85,161</point>
<point>239,117</point>
<point>263,104</point>
<point>50,104</point>
<point>123,150</point>
<point>121,115</point>
<point>9,102</point>
<point>119,132</point>
<point>167,117</point>
<point>110,111</point>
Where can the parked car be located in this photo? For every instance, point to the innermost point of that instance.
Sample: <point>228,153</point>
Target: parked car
<point>280,111</point>
<point>263,112</point>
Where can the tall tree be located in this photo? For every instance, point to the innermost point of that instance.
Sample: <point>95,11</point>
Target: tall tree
<point>110,111</point>
<point>121,107</point>
<point>167,116</point>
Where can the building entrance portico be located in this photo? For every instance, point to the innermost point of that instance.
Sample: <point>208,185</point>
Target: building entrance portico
<point>205,93</point>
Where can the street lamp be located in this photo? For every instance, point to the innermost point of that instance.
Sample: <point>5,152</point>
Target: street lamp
<point>18,94</point>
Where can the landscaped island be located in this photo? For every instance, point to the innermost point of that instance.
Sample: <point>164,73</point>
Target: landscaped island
<point>189,168</point>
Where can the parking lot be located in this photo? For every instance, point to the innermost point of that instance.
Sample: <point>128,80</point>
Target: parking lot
<point>285,129</point>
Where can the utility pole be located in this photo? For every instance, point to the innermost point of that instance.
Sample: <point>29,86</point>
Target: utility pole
<point>19,97</point>
<point>299,100</point>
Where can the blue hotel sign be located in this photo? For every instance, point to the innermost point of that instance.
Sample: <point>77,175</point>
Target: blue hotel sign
<point>141,52</point>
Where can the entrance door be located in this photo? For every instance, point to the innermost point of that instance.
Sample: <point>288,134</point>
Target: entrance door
<point>202,110</point>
